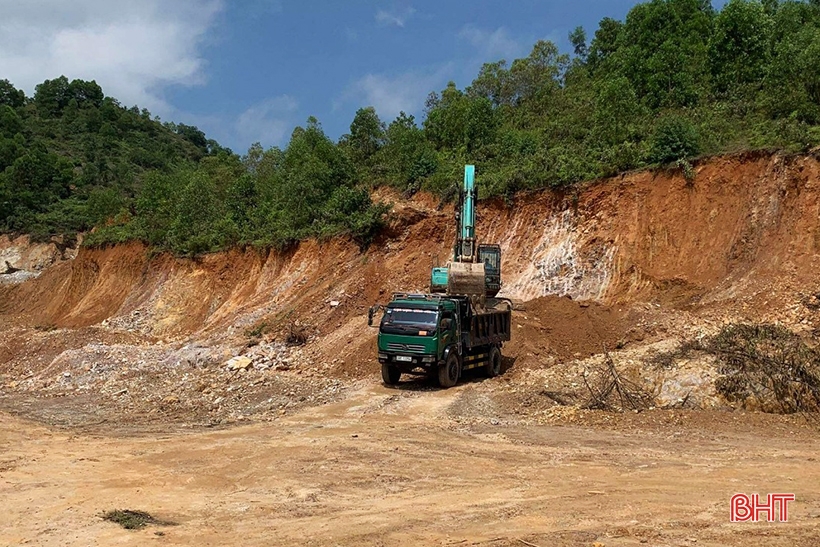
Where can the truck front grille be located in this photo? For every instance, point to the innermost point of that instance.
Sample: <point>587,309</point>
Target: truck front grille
<point>409,348</point>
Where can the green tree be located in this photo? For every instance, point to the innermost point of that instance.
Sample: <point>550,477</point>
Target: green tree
<point>254,157</point>
<point>493,83</point>
<point>791,81</point>
<point>663,50</point>
<point>366,135</point>
<point>11,96</point>
<point>605,42</point>
<point>10,121</point>
<point>538,75</point>
<point>578,39</point>
<point>407,157</point>
<point>459,121</point>
<point>311,168</point>
<point>617,110</point>
<point>739,48</point>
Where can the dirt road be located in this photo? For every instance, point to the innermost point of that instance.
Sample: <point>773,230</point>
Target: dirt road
<point>413,467</point>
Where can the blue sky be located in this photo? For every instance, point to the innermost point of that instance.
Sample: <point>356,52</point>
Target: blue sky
<point>251,70</point>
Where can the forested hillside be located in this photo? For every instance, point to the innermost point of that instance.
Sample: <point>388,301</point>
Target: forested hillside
<point>673,81</point>
<point>70,157</point>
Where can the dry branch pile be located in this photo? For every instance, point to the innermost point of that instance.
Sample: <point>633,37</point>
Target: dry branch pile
<point>767,363</point>
<point>610,390</point>
<point>763,366</point>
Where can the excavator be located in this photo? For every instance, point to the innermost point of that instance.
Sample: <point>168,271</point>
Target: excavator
<point>474,270</point>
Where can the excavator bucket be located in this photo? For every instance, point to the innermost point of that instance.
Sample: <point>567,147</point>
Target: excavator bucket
<point>466,278</point>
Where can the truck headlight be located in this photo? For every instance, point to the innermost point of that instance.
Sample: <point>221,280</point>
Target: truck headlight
<point>428,359</point>
<point>382,356</point>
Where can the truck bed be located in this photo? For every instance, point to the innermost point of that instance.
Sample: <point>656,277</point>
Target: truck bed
<point>490,326</point>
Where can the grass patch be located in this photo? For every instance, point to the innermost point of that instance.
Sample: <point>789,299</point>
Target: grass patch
<point>133,520</point>
<point>258,330</point>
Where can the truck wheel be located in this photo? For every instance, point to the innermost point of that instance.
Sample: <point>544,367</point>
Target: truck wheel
<point>493,366</point>
<point>390,374</point>
<point>448,374</point>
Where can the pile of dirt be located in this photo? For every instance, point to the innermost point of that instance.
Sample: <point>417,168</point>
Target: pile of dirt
<point>570,329</point>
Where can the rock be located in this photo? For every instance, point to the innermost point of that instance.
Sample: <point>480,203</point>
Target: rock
<point>334,303</point>
<point>239,363</point>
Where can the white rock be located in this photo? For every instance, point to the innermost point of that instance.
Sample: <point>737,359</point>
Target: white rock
<point>238,363</point>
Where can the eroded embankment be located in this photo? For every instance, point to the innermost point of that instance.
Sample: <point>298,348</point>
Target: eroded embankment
<point>747,226</point>
<point>645,257</point>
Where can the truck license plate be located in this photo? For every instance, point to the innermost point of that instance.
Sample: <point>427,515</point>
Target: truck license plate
<point>405,358</point>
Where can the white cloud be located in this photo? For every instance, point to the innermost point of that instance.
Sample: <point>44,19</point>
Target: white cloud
<point>398,17</point>
<point>493,45</point>
<point>268,122</point>
<point>391,94</point>
<point>134,49</point>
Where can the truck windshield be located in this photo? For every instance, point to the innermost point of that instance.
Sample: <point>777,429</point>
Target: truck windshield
<point>408,319</point>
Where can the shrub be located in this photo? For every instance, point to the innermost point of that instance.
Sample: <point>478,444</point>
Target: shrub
<point>674,138</point>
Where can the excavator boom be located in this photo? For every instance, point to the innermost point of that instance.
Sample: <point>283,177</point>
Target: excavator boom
<point>465,244</point>
<point>475,270</point>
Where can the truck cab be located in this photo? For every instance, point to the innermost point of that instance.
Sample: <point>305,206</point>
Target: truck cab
<point>414,331</point>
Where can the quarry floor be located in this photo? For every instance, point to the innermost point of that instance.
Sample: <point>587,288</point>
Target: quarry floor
<point>411,466</point>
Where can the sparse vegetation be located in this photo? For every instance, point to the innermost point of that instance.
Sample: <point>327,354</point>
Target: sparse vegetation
<point>763,366</point>
<point>133,520</point>
<point>297,334</point>
<point>770,364</point>
<point>668,359</point>
<point>258,330</point>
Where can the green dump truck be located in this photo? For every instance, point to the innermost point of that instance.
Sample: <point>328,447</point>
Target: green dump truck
<point>441,335</point>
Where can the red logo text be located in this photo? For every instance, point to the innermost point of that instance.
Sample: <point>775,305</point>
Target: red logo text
<point>774,508</point>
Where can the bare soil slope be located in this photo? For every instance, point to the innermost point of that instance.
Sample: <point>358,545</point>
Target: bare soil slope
<point>747,229</point>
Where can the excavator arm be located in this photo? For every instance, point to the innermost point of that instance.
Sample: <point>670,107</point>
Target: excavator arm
<point>465,274</point>
<point>465,218</point>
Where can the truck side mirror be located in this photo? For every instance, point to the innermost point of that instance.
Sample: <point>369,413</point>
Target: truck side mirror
<point>372,313</point>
